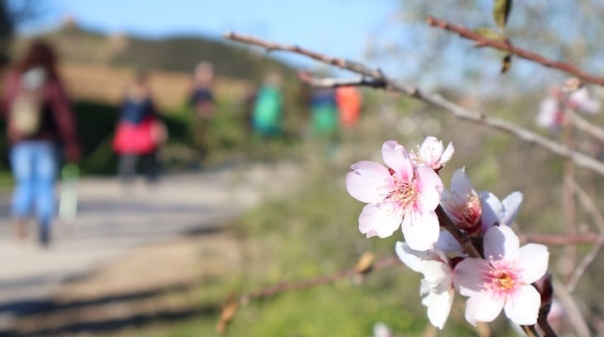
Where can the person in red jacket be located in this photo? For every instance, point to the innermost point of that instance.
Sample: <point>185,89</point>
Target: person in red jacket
<point>41,125</point>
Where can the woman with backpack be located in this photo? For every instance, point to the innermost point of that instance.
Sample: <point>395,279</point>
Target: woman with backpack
<point>40,124</point>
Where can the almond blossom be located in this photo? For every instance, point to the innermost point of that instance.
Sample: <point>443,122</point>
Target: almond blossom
<point>462,203</point>
<point>432,153</point>
<point>397,195</point>
<point>551,110</point>
<point>437,285</point>
<point>503,280</point>
<point>499,212</point>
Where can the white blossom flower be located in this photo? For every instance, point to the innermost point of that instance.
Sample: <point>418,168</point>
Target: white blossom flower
<point>433,154</point>
<point>437,285</point>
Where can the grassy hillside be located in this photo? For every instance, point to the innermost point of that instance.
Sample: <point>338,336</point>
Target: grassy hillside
<point>179,54</point>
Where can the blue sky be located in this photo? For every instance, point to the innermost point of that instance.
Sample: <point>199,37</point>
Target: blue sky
<point>341,28</point>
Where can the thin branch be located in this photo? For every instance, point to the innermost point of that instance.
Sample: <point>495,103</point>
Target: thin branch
<point>587,127</point>
<point>530,330</point>
<point>544,323</point>
<point>307,77</point>
<point>568,195</point>
<point>456,110</point>
<point>562,239</point>
<point>507,46</point>
<point>459,235</point>
<point>598,218</point>
<point>322,280</point>
<point>574,314</point>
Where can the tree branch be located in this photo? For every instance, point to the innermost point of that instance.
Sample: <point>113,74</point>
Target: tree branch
<point>589,206</point>
<point>507,46</point>
<point>322,280</point>
<point>307,77</point>
<point>384,82</point>
<point>459,235</point>
<point>563,240</point>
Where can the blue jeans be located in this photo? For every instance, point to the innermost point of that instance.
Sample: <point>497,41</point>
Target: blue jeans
<point>35,166</point>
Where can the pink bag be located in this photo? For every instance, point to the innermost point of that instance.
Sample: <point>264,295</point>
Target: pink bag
<point>135,138</point>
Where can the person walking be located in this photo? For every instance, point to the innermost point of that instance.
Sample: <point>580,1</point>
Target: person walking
<point>203,105</point>
<point>40,125</point>
<point>139,132</point>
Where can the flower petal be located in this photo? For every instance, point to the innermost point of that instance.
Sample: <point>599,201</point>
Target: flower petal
<point>460,183</point>
<point>429,186</point>
<point>468,276</point>
<point>548,109</point>
<point>367,180</point>
<point>379,221</point>
<point>482,307</point>
<point>523,306</point>
<point>439,307</point>
<point>447,154</point>
<point>397,158</point>
<point>511,206</point>
<point>436,272</point>
<point>421,229</point>
<point>492,210</point>
<point>447,242</point>
<point>533,262</point>
<point>500,241</point>
<point>416,260</point>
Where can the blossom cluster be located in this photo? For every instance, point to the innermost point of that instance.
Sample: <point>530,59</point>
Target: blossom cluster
<point>407,192</point>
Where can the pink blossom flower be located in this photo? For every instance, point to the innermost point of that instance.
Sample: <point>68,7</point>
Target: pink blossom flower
<point>550,114</point>
<point>580,100</point>
<point>499,212</point>
<point>437,284</point>
<point>433,154</point>
<point>462,203</point>
<point>551,110</point>
<point>397,193</point>
<point>503,280</point>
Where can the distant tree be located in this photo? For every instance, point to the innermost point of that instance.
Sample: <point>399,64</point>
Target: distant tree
<point>12,14</point>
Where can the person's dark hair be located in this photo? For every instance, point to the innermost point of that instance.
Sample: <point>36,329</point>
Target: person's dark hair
<point>39,54</point>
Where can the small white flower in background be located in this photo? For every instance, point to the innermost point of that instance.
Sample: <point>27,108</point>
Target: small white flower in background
<point>436,286</point>
<point>581,101</point>
<point>462,203</point>
<point>432,153</point>
<point>399,195</point>
<point>550,114</point>
<point>499,212</point>
<point>571,95</point>
<point>503,280</point>
<point>381,330</point>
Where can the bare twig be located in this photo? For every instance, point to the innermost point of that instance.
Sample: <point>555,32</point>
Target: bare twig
<point>574,314</point>
<point>587,127</point>
<point>507,46</point>
<point>568,196</point>
<point>322,280</point>
<point>458,234</point>
<point>530,330</point>
<point>591,208</point>
<point>456,110</point>
<point>307,77</point>
<point>563,240</point>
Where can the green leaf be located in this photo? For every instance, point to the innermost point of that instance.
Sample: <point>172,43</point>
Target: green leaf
<point>501,12</point>
<point>506,64</point>
<point>489,33</point>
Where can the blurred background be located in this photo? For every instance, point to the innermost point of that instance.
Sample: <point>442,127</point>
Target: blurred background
<point>246,185</point>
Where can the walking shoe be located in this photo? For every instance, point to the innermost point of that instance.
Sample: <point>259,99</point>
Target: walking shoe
<point>44,237</point>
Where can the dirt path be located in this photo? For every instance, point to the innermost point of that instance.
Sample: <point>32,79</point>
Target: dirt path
<point>107,253</point>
